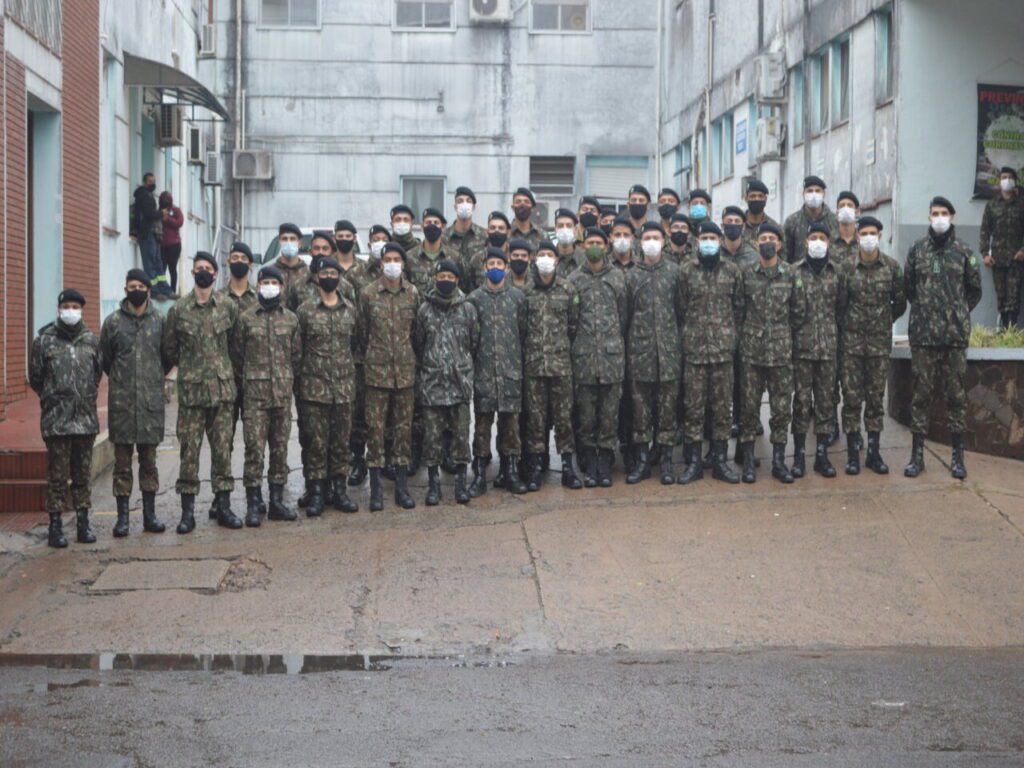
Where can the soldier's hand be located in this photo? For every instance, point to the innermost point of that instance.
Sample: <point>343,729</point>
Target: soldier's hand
<point>1019,255</point>
<point>989,261</point>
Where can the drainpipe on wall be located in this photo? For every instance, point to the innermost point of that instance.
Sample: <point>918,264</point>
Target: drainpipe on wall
<point>658,97</point>
<point>239,120</point>
<point>707,91</point>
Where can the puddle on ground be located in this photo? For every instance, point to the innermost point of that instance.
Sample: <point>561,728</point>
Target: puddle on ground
<point>247,664</point>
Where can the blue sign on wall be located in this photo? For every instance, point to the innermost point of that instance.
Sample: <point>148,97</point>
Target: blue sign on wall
<point>741,137</point>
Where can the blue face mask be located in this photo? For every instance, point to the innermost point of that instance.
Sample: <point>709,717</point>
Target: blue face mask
<point>709,247</point>
<point>289,250</point>
<point>698,211</point>
<point>495,275</point>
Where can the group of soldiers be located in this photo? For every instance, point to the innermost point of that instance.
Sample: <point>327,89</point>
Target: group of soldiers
<point>623,331</point>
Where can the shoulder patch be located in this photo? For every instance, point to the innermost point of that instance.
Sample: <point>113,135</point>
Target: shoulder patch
<point>974,260</point>
<point>575,298</point>
<point>799,282</point>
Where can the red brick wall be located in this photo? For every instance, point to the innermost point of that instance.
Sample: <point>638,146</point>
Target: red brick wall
<point>3,228</point>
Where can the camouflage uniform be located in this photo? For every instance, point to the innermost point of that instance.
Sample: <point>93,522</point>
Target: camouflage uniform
<point>943,284</point>
<point>1002,235</point>
<point>797,226</point>
<point>385,326</point>
<point>842,252</point>
<point>750,232</point>
<point>598,353</point>
<point>654,311</point>
<point>130,345</point>
<point>625,425</point>
<point>65,367</point>
<point>533,235</point>
<point>293,273</point>
<point>772,309</point>
<point>196,339</point>
<point>301,291</point>
<point>874,300</point>
<point>360,275</point>
<point>552,314</point>
<point>465,244</point>
<point>747,256</point>
<point>814,346</point>
<point>681,256</point>
<point>713,302</point>
<point>498,372</point>
<point>570,262</point>
<point>420,269</point>
<point>242,302</point>
<point>327,381</point>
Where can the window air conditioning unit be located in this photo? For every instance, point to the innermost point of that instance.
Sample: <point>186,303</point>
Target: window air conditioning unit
<point>770,78</point>
<point>490,11</point>
<point>771,138</point>
<point>541,215</point>
<point>170,126</point>
<point>208,41</point>
<point>196,146</point>
<point>213,171</point>
<point>252,164</point>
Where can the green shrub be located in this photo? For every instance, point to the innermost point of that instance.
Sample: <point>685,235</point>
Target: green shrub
<point>990,337</point>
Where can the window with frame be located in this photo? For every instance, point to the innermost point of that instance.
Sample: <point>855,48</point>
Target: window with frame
<point>424,14</point>
<point>721,148</point>
<point>821,84</point>
<point>552,175</point>
<point>883,56</point>
<point>290,13</point>
<point>797,81</point>
<point>420,192</point>
<point>566,16</point>
<point>684,164</point>
<point>839,67</point>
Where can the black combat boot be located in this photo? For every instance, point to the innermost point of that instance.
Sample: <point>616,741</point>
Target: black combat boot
<point>433,486</point>
<point>150,523</point>
<point>214,509</point>
<point>461,492</point>
<point>501,479</point>
<point>833,429</point>
<point>121,526</point>
<point>956,465</point>
<point>515,482</point>
<point>534,474</point>
<point>605,460</point>
<point>874,460</point>
<point>376,490</point>
<point>569,478</point>
<point>388,472</point>
<point>749,474</point>
<point>708,461</point>
<point>721,469</point>
<point>259,500</point>
<point>642,467</point>
<point>358,473</point>
<point>589,467</point>
<point>668,476</point>
<point>799,457</point>
<point>694,463</point>
<point>252,508</point>
<point>187,524</point>
<point>853,454</point>
<point>339,496</point>
<point>822,465</point>
<point>779,469</point>
<point>227,518</point>
<point>916,465</point>
<point>278,510</point>
<point>479,485</point>
<point>55,535</point>
<point>303,500</point>
<point>447,462</point>
<point>316,501</point>
<point>402,497</point>
<point>85,534</point>
<point>629,457</point>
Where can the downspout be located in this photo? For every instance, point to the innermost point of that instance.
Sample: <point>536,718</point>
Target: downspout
<point>707,92</point>
<point>658,97</point>
<point>239,120</point>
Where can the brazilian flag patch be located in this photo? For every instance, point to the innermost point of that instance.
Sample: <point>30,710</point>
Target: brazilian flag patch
<point>974,260</point>
<point>799,282</point>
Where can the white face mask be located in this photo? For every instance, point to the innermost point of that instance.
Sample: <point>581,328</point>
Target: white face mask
<point>70,316</point>
<point>1007,185</point>
<point>464,211</point>
<point>941,224</point>
<point>392,270</point>
<point>545,264</point>
<point>846,215</point>
<point>565,236</point>
<point>270,291</point>
<point>622,244</point>
<point>817,249</point>
<point>651,248</point>
<point>869,243</point>
<point>376,248</point>
<point>813,200</point>
<point>402,228</point>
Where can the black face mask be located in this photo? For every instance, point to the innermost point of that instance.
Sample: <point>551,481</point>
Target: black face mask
<point>432,232</point>
<point>329,284</point>
<point>446,288</point>
<point>346,246</point>
<point>607,229</point>
<point>239,269</point>
<point>137,298</point>
<point>767,251</point>
<point>732,231</point>
<point>497,239</point>
<point>523,212</point>
<point>666,211</point>
<point>588,219</point>
<point>204,279</point>
<point>709,261</point>
<point>518,266</point>
<point>756,206</point>
<point>269,303</point>
<point>637,211</point>
<point>679,238</point>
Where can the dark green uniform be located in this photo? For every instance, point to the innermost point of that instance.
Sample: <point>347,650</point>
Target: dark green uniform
<point>842,252</point>
<point>797,226</point>
<point>360,275</point>
<point>745,257</point>
<point>533,235</point>
<point>750,231</point>
<point>464,244</point>
<point>815,342</point>
<point>293,273</point>
<point>625,426</point>
<point>1002,235</point>
<point>571,261</point>
<point>301,291</point>
<point>421,266</point>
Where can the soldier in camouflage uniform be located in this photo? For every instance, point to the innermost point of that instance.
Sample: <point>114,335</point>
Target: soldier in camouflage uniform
<point>942,282</point>
<point>379,237</point>
<point>757,200</point>
<point>625,257</point>
<point>387,310</point>
<point>608,215</point>
<point>464,236</point>
<point>65,367</point>
<point>196,338</point>
<point>570,254</point>
<point>711,292</point>
<point>322,245</point>
<point>130,345</point>
<point>401,230</point>
<point>498,376</point>
<point>700,209</point>
<point>421,265</point>
<point>326,387</point>
<point>598,357</point>
<point>293,268</point>
<point>497,237</point>
<point>551,315</point>
<point>668,205</point>
<point>523,203</point>
<point>844,248</point>
<point>798,224</point>
<point>638,202</point>
<point>446,337</point>
<point>266,349</point>
<point>737,250</point>
<point>873,301</point>
<point>814,351</point>
<point>654,312</point>
<point>772,309</point>
<point>678,251</point>
<point>1002,245</point>
<point>519,261</point>
<point>588,214</point>
<point>625,246</point>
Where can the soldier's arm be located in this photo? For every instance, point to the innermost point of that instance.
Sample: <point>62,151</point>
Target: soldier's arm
<point>797,305</point>
<point>841,296</point>
<point>169,341</point>
<point>574,312</point>
<point>97,366</point>
<point>296,349</point>
<point>910,276</point>
<point>623,316</point>
<point>897,296</point>
<point>236,348</point>
<point>106,347</point>
<point>788,230</point>
<point>363,324</point>
<point>36,367</point>
<point>474,330</point>
<point>738,300</point>
<point>985,238</point>
<point>419,332</point>
<point>972,280</point>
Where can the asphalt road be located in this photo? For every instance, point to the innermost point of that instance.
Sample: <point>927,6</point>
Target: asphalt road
<point>910,707</point>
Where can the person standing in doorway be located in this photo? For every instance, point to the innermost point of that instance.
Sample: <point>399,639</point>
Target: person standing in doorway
<point>171,222</point>
<point>146,227</point>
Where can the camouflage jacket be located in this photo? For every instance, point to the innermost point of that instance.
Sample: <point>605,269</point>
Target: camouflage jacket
<point>654,312</point>
<point>386,320</point>
<point>197,339</point>
<point>410,243</point>
<point>842,252</point>
<point>465,243</point>
<point>446,337</point>
<point>570,262</point>
<point>942,282</point>
<point>420,268</point>
<point>552,314</point>
<point>772,309</point>
<point>679,257</point>
<point>301,291</point>
<point>797,226</point>
<point>243,302</point>
<point>473,276</point>
<point>1002,228</point>
<point>750,232</point>
<point>293,273</point>
<point>822,294</point>
<point>874,301</point>
<point>598,348</point>
<point>360,275</point>
<point>746,256</point>
<point>130,345</point>
<point>64,369</point>
<point>533,235</point>
<point>327,371</point>
<point>624,267</point>
<point>713,301</point>
<point>266,349</point>
<point>498,365</point>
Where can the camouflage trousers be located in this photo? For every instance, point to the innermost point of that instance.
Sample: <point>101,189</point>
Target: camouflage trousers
<point>709,389</point>
<point>597,407</point>
<point>549,401</point>
<point>303,424</point>
<point>778,380</point>
<point>328,426</point>
<point>654,411</point>
<point>388,412</point>
<point>69,459</point>
<point>438,419</point>
<point>1008,281</point>
<point>945,368</point>
<point>215,422</point>
<point>357,437</point>
<point>149,478</point>
<point>864,389</point>
<point>627,411</point>
<point>266,427</point>
<point>509,442</point>
<point>814,395</point>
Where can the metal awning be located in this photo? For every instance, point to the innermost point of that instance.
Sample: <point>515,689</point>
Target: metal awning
<point>146,73</point>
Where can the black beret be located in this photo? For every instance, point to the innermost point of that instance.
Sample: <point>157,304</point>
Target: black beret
<point>138,274</point>
<point>344,225</point>
<point>609,210</point>
<point>498,215</point>
<point>708,226</point>
<point>270,272</point>
<point>519,244</point>
<point>447,265</point>
<point>460,191</point>
<point>525,191</point>
<point>393,248</point>
<point>566,213</point>
<point>379,229</point>
<point>756,185</point>
<point>204,256</point>
<point>819,227</point>
<point>848,195</point>
<point>814,181</point>
<point>289,227</point>
<point>640,189</point>
<point>240,247</point>
<point>769,226</point>
<point>1009,170</point>
<point>680,216</point>
<point>495,253</point>
<point>402,208</point>
<point>547,245</point>
<point>670,191</point>
<point>70,294</point>
<point>433,213</point>
<point>940,200</point>
<point>590,200</point>
<point>623,221</point>
<point>701,193</point>
<point>322,234</point>
<point>595,232</point>
<point>328,262</point>
<point>868,221</point>
<point>733,210</point>
<point>653,226</point>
